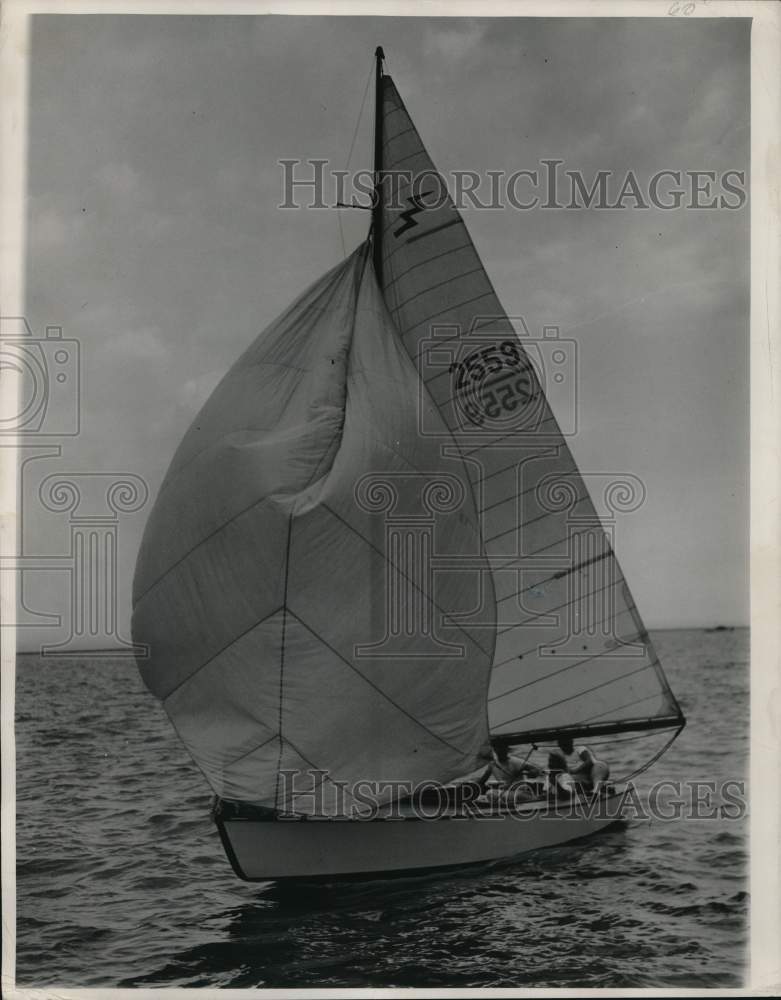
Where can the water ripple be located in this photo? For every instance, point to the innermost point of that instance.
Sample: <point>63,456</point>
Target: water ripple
<point>121,879</point>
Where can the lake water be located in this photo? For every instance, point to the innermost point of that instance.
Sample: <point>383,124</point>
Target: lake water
<point>121,879</point>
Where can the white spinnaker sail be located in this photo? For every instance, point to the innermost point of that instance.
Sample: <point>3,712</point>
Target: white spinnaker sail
<point>264,566</point>
<point>571,650</point>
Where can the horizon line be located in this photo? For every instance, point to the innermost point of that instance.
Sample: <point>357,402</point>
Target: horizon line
<point>126,652</point>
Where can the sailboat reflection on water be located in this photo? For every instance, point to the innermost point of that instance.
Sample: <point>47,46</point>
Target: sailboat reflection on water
<point>373,557</point>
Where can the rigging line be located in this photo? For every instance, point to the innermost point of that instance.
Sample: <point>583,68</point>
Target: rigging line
<point>352,147</point>
<point>630,739</point>
<point>282,659</point>
<point>653,760</point>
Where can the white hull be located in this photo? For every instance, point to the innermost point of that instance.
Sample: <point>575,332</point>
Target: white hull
<point>270,849</point>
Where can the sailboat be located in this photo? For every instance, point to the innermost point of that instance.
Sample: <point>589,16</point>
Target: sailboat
<point>373,558</point>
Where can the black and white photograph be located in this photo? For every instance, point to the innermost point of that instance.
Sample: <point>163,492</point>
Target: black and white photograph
<point>390,572</point>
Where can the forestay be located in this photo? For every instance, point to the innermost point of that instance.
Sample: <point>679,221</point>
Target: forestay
<point>262,580</point>
<point>571,652</point>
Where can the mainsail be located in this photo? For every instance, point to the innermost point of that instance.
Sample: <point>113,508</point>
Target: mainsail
<point>572,653</point>
<point>261,583</point>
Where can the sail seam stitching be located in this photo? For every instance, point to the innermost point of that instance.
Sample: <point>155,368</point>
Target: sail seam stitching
<point>422,263</point>
<point>566,604</point>
<point>539,583</point>
<point>379,690</point>
<point>604,652</point>
<point>202,541</point>
<point>447,281</point>
<point>398,135</point>
<point>532,649</point>
<point>338,434</point>
<point>533,520</point>
<point>561,701</point>
<point>562,670</point>
<point>518,557</point>
<point>525,652</point>
<point>325,776</point>
<point>533,436</point>
<point>249,753</point>
<point>219,652</point>
<point>311,307</point>
<point>517,496</point>
<point>451,308</point>
<point>409,579</point>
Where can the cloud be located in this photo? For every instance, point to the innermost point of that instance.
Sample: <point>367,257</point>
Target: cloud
<point>120,179</point>
<point>144,344</point>
<point>155,239</point>
<point>50,226</point>
<point>453,41</point>
<point>48,230</point>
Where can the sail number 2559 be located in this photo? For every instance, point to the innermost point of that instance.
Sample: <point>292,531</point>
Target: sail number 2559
<point>492,379</point>
<point>486,361</point>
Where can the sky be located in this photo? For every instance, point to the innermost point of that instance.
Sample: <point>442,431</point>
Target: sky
<point>155,240</point>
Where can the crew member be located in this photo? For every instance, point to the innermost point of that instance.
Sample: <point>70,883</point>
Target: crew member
<point>513,774</point>
<point>571,770</point>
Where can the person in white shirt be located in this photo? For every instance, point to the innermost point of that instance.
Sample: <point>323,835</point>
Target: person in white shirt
<point>571,769</point>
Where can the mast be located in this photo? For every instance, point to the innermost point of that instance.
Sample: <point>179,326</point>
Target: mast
<point>379,55</point>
